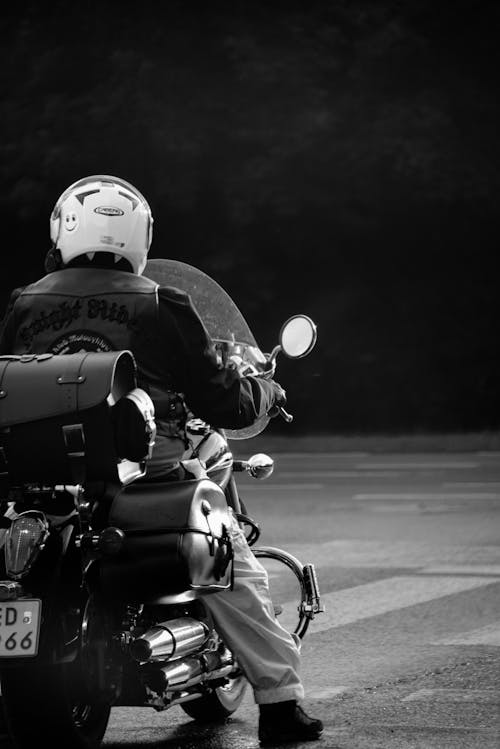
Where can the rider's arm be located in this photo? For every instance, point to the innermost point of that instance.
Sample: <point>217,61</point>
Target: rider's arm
<point>213,392</point>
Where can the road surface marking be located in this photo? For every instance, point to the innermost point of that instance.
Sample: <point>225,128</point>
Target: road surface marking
<point>324,694</point>
<point>488,635</point>
<point>306,455</point>
<point>357,552</point>
<point>384,596</point>
<point>288,487</point>
<point>425,728</point>
<point>475,484</point>
<point>414,507</point>
<point>462,569</point>
<point>426,496</point>
<point>484,696</point>
<point>417,466</point>
<point>339,474</point>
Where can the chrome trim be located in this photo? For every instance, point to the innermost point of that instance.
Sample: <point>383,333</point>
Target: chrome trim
<point>35,544</point>
<point>310,602</point>
<point>174,638</point>
<point>10,590</point>
<point>260,466</point>
<point>185,597</point>
<point>225,461</point>
<point>219,673</point>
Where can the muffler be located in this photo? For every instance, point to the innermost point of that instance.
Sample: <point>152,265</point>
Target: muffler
<point>187,672</point>
<point>171,639</point>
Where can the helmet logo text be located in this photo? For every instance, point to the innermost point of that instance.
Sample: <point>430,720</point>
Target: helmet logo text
<point>108,210</point>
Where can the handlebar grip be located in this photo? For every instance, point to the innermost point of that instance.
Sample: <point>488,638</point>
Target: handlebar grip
<point>285,415</point>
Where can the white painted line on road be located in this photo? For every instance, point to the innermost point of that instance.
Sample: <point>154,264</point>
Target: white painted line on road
<point>288,487</point>
<point>418,466</point>
<point>325,694</point>
<point>474,484</point>
<point>306,454</point>
<point>392,594</point>
<point>488,635</point>
<point>462,569</point>
<point>339,474</point>
<point>426,496</point>
<point>484,696</point>
<point>359,552</point>
<point>424,728</point>
<point>413,507</point>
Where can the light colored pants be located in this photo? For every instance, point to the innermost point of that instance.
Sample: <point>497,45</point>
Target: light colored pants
<point>267,654</point>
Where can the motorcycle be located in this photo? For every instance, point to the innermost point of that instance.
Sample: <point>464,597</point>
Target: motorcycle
<point>104,575</point>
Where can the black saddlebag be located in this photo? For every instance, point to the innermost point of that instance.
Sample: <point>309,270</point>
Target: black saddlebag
<point>67,419</point>
<point>176,539</point>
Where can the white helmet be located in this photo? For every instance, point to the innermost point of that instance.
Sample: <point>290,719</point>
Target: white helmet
<point>102,214</point>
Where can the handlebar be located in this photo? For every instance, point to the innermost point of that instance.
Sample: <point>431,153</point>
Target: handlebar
<point>245,369</point>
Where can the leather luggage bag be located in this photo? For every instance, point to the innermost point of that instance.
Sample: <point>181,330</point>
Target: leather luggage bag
<point>60,418</point>
<point>176,539</point>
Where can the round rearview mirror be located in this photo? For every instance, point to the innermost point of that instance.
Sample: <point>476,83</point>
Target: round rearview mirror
<point>298,336</point>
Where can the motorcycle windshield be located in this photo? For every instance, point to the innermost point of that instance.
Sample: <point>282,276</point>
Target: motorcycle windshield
<point>223,320</point>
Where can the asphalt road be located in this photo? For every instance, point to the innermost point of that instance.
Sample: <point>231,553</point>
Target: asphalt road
<point>407,652</point>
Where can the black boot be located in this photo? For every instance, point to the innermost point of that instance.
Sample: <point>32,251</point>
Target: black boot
<point>284,722</point>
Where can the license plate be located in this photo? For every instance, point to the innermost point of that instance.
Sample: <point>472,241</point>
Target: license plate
<point>19,628</point>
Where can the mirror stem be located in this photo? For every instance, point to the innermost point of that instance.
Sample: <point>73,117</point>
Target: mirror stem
<point>274,353</point>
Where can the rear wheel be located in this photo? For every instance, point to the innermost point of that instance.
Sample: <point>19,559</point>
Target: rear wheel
<point>46,702</point>
<point>219,703</point>
<point>63,700</point>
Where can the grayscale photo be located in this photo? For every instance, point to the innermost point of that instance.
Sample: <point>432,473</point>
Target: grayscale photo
<point>249,375</point>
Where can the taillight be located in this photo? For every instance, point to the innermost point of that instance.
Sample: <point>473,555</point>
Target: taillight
<point>24,540</point>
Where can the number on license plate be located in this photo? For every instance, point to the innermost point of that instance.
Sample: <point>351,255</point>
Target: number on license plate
<point>19,628</point>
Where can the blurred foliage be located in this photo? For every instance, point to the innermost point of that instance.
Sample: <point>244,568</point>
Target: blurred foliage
<point>336,158</point>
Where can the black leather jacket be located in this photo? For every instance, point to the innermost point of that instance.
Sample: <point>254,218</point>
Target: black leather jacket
<point>100,309</point>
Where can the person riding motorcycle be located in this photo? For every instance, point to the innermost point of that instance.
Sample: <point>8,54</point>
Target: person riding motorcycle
<point>94,297</point>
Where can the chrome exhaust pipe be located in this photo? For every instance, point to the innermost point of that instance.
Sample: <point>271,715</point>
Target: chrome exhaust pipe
<point>171,639</point>
<point>188,672</point>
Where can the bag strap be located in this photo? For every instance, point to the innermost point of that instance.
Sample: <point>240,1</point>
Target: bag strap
<point>68,380</point>
<point>4,465</point>
<point>73,434</point>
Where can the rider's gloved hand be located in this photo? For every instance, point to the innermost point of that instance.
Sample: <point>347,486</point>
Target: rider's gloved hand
<point>269,369</point>
<point>279,399</point>
<point>244,368</point>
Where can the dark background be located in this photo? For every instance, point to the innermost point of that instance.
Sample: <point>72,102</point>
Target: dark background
<point>334,158</point>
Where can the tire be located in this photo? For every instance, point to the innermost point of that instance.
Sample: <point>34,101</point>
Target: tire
<point>4,736</point>
<point>43,702</point>
<point>219,703</point>
<point>60,702</point>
